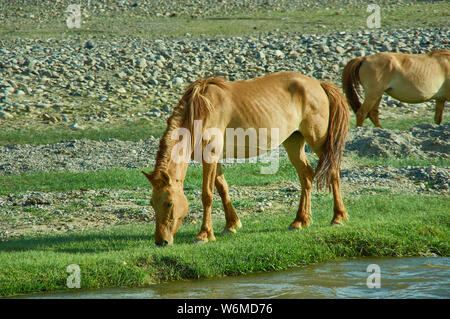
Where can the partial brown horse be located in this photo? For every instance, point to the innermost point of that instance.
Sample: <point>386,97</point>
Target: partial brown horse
<point>301,108</point>
<point>410,78</point>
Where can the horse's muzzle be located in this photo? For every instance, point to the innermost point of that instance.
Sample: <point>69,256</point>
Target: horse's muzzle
<point>163,243</point>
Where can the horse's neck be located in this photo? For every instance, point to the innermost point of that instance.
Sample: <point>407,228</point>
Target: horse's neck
<point>164,160</point>
<point>177,171</point>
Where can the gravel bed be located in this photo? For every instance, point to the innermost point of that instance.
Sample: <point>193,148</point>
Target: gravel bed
<point>422,141</point>
<point>51,9</point>
<point>73,81</point>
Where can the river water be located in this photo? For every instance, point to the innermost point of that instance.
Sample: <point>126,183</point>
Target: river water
<point>414,277</point>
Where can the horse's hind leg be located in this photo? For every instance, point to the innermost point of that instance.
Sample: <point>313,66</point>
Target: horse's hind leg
<point>317,144</point>
<point>370,103</point>
<point>373,114</point>
<point>295,147</point>
<point>439,111</point>
<point>231,217</point>
<point>339,209</point>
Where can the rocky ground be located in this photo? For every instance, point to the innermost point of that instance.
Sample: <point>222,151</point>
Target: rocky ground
<point>160,8</point>
<point>78,82</point>
<point>55,212</point>
<point>425,141</point>
<point>77,155</point>
<point>41,212</point>
<point>421,141</point>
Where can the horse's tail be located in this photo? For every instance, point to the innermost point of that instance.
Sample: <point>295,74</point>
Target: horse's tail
<point>196,105</point>
<point>337,133</point>
<point>351,81</point>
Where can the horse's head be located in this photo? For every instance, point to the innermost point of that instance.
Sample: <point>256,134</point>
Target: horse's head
<point>170,205</point>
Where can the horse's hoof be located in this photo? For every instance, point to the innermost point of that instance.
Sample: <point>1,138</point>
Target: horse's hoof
<point>200,241</point>
<point>333,223</point>
<point>294,228</point>
<point>228,231</point>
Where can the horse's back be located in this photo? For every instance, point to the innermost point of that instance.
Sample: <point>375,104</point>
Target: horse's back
<point>271,99</point>
<point>412,78</point>
<point>281,101</point>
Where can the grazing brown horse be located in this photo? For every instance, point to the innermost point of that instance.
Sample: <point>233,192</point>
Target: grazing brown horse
<point>301,108</point>
<point>410,78</point>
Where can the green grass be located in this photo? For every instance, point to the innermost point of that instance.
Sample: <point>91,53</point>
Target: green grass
<point>399,162</point>
<point>243,175</point>
<point>131,132</point>
<point>382,225</point>
<point>407,122</point>
<point>246,174</point>
<point>402,122</point>
<point>315,20</point>
<point>138,130</point>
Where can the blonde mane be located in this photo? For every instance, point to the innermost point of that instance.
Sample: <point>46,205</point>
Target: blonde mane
<point>193,105</point>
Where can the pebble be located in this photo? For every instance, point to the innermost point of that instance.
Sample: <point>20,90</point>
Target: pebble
<point>89,44</point>
<point>239,59</point>
<point>141,63</point>
<point>5,115</point>
<point>278,54</point>
<point>75,126</point>
<point>178,81</point>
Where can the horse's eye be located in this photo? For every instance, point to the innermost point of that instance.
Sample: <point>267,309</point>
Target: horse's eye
<point>169,204</point>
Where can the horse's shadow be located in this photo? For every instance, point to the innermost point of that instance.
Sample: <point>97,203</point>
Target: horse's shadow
<point>101,242</point>
<point>79,243</point>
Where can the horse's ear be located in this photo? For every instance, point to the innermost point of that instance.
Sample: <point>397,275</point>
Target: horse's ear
<point>150,178</point>
<point>158,180</point>
<point>165,177</point>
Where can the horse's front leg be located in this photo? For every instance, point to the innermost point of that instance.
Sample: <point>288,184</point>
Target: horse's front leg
<point>209,176</point>
<point>232,220</point>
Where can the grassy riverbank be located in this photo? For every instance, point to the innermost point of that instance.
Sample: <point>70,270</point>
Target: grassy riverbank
<point>381,225</point>
<point>101,219</point>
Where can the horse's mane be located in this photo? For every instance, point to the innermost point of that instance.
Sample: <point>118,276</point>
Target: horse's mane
<point>197,106</point>
<point>439,52</point>
<point>193,105</point>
